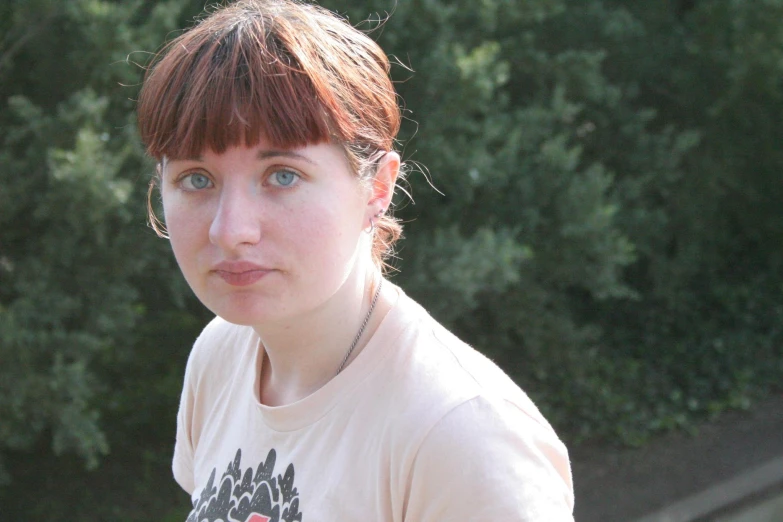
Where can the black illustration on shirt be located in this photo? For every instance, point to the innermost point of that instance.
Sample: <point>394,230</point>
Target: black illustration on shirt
<point>248,496</point>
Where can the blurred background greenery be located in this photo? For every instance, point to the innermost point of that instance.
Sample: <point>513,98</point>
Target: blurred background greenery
<point>611,231</point>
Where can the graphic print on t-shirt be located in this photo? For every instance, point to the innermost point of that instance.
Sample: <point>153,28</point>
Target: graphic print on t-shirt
<point>249,497</point>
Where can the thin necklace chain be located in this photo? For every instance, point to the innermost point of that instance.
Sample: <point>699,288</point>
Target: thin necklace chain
<point>361,328</point>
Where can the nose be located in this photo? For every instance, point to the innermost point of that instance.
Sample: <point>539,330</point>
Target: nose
<point>237,221</point>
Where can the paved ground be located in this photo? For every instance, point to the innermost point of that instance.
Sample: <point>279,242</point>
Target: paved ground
<point>621,486</point>
<point>767,509</point>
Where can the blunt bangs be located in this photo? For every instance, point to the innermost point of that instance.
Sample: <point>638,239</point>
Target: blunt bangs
<point>254,71</point>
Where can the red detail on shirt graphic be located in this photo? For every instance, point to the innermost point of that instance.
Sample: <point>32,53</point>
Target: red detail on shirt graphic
<point>258,518</point>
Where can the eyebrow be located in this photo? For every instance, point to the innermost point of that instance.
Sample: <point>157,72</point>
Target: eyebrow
<point>262,155</point>
<point>267,154</point>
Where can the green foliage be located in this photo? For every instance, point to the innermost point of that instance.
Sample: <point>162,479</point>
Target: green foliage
<point>64,294</point>
<point>609,228</point>
<point>75,257</point>
<point>618,176</point>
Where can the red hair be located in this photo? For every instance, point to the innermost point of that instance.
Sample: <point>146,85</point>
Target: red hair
<point>286,72</point>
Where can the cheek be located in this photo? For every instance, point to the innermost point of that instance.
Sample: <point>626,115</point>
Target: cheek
<point>186,228</point>
<point>324,233</point>
<point>311,229</point>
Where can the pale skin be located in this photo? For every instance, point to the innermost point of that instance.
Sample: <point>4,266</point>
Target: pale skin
<point>276,239</point>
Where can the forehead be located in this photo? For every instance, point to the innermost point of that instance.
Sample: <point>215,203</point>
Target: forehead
<point>258,153</point>
<point>325,155</point>
<point>290,77</point>
<point>192,101</point>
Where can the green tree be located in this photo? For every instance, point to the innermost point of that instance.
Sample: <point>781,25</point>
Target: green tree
<point>606,223</point>
<point>76,260</point>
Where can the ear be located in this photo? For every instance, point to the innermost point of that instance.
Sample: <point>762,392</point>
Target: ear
<point>157,180</point>
<point>383,184</point>
<point>154,222</point>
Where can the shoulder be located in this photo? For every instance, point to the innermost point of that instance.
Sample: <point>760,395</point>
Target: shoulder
<point>496,462</point>
<point>440,366</point>
<point>477,434</point>
<point>205,374</point>
<point>216,351</point>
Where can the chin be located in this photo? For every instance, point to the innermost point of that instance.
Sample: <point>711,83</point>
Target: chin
<point>245,316</point>
<point>246,310</point>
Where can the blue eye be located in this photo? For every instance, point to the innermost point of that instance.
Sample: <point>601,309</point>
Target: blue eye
<point>196,181</point>
<point>284,178</point>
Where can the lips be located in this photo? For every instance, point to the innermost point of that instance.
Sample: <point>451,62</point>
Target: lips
<point>240,273</point>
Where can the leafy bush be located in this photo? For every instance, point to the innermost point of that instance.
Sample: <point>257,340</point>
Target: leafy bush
<point>610,228</point>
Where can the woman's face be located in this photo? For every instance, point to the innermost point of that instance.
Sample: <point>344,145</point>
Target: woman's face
<point>262,234</point>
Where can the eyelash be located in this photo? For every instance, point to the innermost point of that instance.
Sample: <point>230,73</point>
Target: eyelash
<point>294,181</point>
<point>189,176</point>
<point>274,171</point>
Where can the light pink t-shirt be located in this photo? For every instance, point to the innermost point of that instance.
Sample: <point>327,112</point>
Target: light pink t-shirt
<point>420,427</point>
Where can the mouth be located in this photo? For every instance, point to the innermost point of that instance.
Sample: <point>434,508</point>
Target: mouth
<point>240,273</point>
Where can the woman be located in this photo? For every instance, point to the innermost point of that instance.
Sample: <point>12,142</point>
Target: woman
<point>320,392</point>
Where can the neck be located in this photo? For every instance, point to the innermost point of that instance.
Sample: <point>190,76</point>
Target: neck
<point>303,354</point>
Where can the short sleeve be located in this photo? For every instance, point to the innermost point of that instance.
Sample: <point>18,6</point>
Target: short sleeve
<point>489,461</point>
<point>182,463</point>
